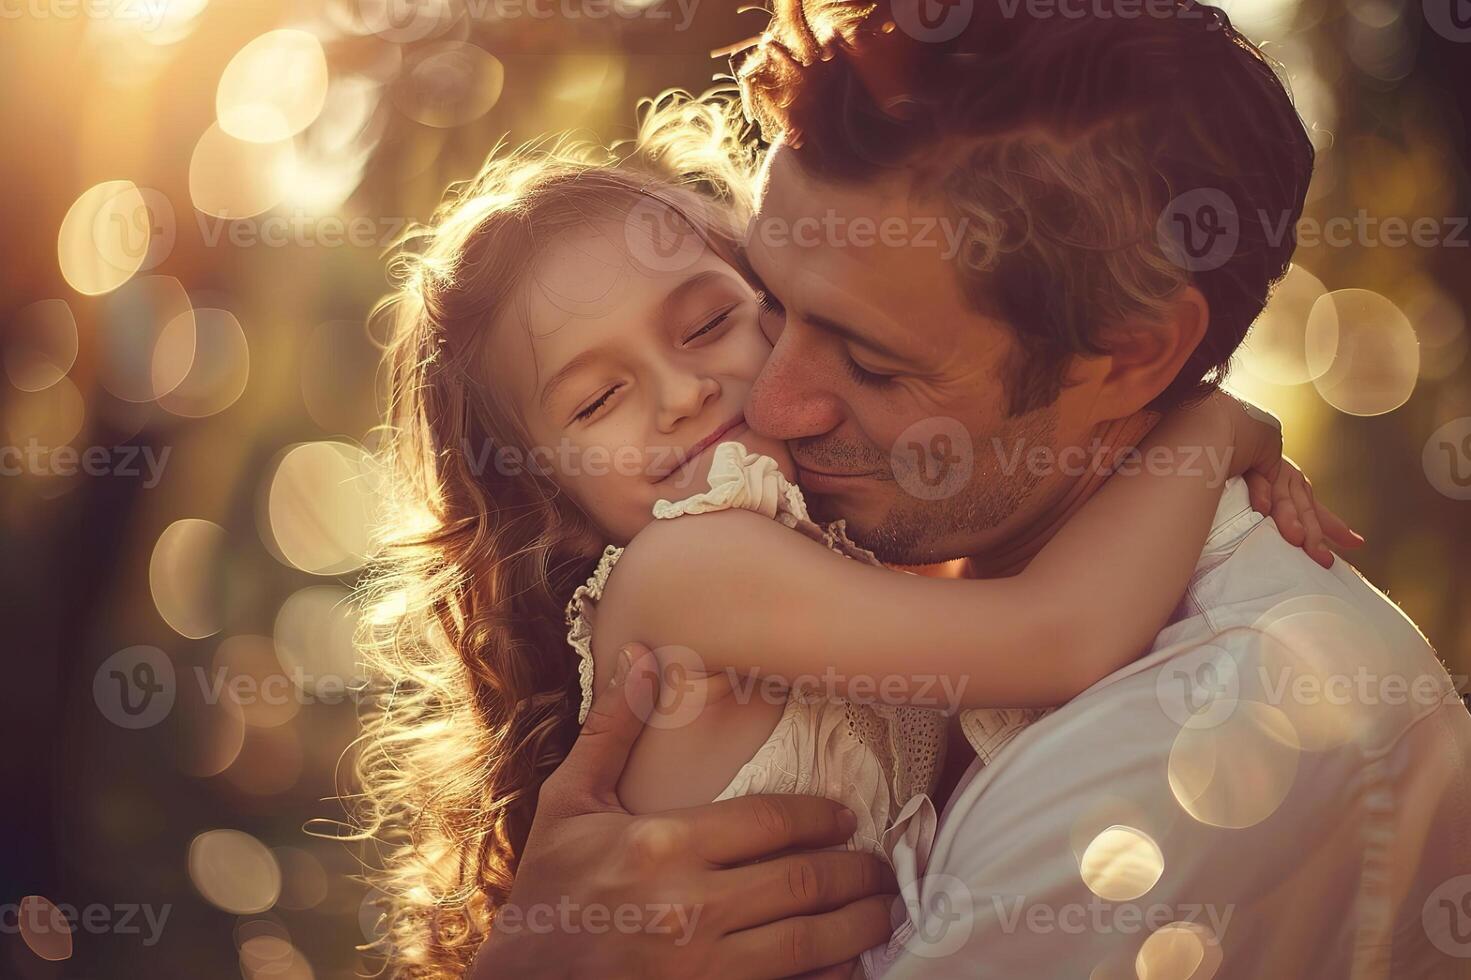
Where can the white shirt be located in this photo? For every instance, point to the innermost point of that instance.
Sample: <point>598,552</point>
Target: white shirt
<point>1279,789</point>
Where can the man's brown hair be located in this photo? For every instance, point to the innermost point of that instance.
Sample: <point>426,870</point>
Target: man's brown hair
<point>1076,145</point>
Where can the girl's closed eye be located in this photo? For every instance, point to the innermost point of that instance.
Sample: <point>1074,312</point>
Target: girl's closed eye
<point>592,409</point>
<point>714,323</point>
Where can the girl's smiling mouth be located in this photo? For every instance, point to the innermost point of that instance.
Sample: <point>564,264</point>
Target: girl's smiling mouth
<point>693,453</point>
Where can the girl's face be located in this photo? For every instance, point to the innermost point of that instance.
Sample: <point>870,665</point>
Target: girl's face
<point>627,373</point>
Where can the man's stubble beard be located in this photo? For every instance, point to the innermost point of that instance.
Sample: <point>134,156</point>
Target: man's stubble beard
<point>916,531</point>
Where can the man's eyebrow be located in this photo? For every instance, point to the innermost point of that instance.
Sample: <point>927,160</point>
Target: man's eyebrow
<point>848,333</point>
<point>853,336</point>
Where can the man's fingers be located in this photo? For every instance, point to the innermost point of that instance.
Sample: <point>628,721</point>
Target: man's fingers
<point>749,828</point>
<point>588,777</point>
<point>798,884</point>
<point>800,945</point>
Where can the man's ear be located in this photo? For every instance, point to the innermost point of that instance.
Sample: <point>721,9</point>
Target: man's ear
<point>1145,357</point>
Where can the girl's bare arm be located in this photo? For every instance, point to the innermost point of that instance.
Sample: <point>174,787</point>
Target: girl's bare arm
<point>736,591</point>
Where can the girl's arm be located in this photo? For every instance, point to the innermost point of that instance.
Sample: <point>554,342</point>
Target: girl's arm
<point>738,592</point>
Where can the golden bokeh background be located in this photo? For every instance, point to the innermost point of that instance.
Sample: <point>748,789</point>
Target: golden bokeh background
<point>198,197</point>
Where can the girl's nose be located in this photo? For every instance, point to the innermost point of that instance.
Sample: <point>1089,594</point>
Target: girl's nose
<point>683,395</point>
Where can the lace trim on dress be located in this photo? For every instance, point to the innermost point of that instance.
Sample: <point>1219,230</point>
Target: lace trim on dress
<point>579,627</point>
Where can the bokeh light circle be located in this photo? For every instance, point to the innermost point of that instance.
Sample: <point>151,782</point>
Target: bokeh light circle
<point>1276,349</point>
<point>217,371</point>
<point>1235,774</point>
<point>43,928</point>
<point>320,507</point>
<point>273,88</point>
<point>147,339</point>
<point>448,84</point>
<point>314,639</point>
<point>184,577</point>
<point>41,345</point>
<point>1121,864</point>
<point>233,178</point>
<point>1376,359</point>
<point>102,243</point>
<point>234,871</point>
<point>1179,951</point>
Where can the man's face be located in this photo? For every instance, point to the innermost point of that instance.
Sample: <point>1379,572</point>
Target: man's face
<point>885,380</point>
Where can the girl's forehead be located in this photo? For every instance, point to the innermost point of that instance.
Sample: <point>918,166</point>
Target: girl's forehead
<point>582,272</point>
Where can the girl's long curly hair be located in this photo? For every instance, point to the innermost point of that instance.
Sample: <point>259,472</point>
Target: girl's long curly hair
<point>474,692</point>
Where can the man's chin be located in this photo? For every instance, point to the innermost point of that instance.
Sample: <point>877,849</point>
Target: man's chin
<point>867,522</point>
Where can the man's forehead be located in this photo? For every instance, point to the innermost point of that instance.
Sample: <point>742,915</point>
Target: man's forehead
<point>784,186</point>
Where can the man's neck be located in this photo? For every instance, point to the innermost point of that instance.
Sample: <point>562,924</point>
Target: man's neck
<point>1111,439</point>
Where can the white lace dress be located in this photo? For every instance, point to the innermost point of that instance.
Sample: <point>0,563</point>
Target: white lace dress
<point>874,759</point>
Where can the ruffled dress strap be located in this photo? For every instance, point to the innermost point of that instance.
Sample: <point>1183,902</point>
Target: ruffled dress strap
<point>579,625</point>
<point>739,480</point>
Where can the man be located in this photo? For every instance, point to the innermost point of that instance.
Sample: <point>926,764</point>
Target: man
<point>1279,786</point>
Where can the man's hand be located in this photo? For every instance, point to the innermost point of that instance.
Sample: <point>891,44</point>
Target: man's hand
<point>728,889</point>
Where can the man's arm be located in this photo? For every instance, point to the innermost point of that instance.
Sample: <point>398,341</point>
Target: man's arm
<point>729,889</point>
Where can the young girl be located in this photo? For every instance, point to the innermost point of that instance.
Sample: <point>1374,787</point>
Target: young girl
<point>574,472</point>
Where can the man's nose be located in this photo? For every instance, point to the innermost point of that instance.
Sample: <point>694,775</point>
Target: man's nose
<point>791,398</point>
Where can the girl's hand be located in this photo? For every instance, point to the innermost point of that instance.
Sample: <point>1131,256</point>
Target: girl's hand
<point>1285,494</point>
<point>1278,488</point>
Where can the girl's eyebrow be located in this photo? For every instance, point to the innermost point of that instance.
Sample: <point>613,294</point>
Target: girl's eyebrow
<point>671,301</point>
<point>567,370</point>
